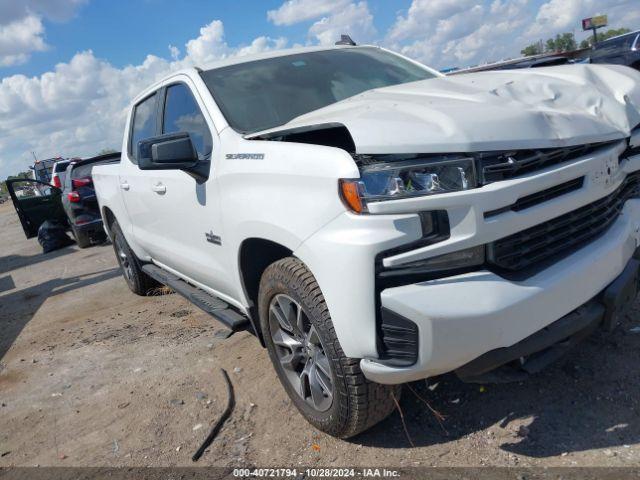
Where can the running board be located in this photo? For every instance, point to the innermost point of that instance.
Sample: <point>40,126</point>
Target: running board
<point>212,305</point>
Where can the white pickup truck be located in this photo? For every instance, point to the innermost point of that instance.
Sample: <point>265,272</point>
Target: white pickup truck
<point>375,222</point>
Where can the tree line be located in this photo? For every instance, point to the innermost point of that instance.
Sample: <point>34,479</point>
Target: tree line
<point>3,184</point>
<point>566,42</point>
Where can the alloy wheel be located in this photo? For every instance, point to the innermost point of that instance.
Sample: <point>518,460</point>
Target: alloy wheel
<point>123,260</point>
<point>300,352</point>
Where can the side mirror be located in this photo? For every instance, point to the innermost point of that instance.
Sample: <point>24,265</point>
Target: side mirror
<point>171,151</point>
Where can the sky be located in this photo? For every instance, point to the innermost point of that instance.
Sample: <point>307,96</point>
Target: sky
<point>69,68</point>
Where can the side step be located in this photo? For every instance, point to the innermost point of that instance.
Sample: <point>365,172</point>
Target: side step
<point>201,299</point>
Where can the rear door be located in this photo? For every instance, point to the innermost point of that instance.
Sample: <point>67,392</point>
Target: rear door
<point>136,184</point>
<point>35,202</point>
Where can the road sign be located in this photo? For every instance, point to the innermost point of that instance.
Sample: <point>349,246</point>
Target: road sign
<point>592,23</point>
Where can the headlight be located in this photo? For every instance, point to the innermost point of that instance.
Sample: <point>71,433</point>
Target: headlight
<point>404,179</point>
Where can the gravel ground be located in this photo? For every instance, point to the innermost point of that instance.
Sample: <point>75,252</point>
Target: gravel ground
<point>91,374</point>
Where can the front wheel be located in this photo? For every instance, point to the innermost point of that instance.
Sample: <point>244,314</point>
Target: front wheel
<point>327,387</point>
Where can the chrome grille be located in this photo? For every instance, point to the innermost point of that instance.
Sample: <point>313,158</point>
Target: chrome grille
<point>505,165</point>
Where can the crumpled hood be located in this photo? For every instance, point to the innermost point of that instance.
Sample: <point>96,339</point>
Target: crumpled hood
<point>521,109</point>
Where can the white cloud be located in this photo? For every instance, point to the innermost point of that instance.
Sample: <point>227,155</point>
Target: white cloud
<point>262,44</point>
<point>423,14</point>
<point>464,32</point>
<point>209,45</point>
<point>79,108</point>
<point>557,16</point>
<point>56,10</point>
<point>444,33</point>
<point>19,38</point>
<point>21,28</point>
<point>334,17</point>
<point>295,11</point>
<point>354,20</point>
<point>174,52</point>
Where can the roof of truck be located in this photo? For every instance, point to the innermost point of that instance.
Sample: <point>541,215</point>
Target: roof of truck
<point>225,62</point>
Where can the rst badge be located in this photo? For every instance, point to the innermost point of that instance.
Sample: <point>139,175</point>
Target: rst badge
<point>212,238</point>
<point>244,156</point>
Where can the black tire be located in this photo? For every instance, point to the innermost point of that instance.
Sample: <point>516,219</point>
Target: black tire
<point>357,403</point>
<point>82,238</point>
<point>139,282</point>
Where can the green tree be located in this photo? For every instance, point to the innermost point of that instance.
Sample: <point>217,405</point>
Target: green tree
<point>3,185</point>
<point>564,42</point>
<point>612,32</point>
<point>533,49</point>
<point>550,45</point>
<point>105,151</point>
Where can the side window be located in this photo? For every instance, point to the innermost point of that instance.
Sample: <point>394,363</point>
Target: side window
<point>143,124</point>
<point>182,114</point>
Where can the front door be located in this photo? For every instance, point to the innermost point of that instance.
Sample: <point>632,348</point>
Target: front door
<point>183,212</point>
<point>35,202</point>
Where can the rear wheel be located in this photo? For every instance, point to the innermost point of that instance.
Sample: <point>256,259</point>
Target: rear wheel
<point>139,282</point>
<point>327,387</point>
<point>82,238</point>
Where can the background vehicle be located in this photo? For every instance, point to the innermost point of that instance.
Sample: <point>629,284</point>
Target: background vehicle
<point>42,169</point>
<point>58,173</point>
<point>378,223</point>
<point>621,50</point>
<point>77,208</point>
<point>79,200</point>
<point>536,63</point>
<point>35,202</point>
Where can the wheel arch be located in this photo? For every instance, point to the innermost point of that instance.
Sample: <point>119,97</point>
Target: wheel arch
<point>108,218</point>
<point>254,256</point>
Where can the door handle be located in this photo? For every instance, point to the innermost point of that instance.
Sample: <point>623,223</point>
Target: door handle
<point>125,186</point>
<point>159,188</point>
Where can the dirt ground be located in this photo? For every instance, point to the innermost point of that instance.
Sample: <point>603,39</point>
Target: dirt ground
<point>92,375</point>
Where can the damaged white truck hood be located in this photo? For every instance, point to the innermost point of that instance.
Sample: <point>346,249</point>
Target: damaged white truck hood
<point>521,109</point>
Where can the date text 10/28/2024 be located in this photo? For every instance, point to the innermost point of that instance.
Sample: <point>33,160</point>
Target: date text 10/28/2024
<point>315,472</point>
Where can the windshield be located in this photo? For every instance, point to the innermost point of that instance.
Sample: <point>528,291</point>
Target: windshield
<point>267,93</point>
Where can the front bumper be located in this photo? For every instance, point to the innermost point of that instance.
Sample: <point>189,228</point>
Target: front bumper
<point>517,362</point>
<point>463,317</point>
